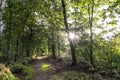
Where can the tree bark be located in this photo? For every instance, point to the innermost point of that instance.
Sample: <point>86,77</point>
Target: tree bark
<point>29,40</point>
<point>9,30</point>
<point>90,15</point>
<point>72,48</point>
<point>53,45</point>
<point>1,1</point>
<point>58,43</point>
<point>17,47</point>
<point>0,24</point>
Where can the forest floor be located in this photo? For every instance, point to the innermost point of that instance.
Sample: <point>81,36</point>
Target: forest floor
<point>46,67</point>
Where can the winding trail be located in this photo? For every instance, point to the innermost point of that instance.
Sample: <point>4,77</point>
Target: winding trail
<point>39,74</point>
<point>45,68</point>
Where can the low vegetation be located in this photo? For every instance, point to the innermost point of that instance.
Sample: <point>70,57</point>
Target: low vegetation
<point>72,75</point>
<point>6,74</point>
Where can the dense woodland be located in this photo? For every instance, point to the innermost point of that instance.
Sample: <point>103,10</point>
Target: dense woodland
<point>68,39</point>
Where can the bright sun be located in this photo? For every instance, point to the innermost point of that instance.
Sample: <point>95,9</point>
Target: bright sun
<point>72,35</point>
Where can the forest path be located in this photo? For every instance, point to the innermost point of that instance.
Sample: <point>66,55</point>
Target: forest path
<point>45,68</point>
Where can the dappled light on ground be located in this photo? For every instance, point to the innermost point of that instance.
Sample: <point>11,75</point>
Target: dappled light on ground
<point>41,57</point>
<point>38,57</point>
<point>45,67</point>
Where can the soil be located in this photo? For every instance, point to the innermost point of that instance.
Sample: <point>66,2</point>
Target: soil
<point>55,67</point>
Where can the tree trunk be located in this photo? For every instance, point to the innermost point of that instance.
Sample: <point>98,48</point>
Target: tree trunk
<point>17,47</point>
<point>29,40</point>
<point>9,30</point>
<point>48,44</point>
<point>58,43</point>
<point>90,15</point>
<point>53,45</point>
<point>72,48</point>
<point>1,2</point>
<point>0,25</point>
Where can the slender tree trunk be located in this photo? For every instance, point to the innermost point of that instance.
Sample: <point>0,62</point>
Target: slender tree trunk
<point>72,48</point>
<point>48,44</point>
<point>29,40</point>
<point>58,43</point>
<point>17,47</point>
<point>53,45</point>
<point>9,30</point>
<point>1,1</point>
<point>1,26</point>
<point>90,14</point>
<point>22,47</point>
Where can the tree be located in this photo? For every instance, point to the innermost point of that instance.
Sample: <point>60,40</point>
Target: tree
<point>72,48</point>
<point>90,14</point>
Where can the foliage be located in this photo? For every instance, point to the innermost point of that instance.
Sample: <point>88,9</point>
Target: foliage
<point>24,67</point>
<point>5,73</point>
<point>16,67</point>
<point>29,71</point>
<point>26,61</point>
<point>19,65</point>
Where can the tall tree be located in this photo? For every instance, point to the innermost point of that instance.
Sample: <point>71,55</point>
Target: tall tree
<point>72,48</point>
<point>90,14</point>
<point>9,28</point>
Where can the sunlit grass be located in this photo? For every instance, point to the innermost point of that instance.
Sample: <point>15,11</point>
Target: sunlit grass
<point>44,67</point>
<point>29,72</point>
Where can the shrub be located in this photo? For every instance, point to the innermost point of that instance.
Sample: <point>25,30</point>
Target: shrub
<point>19,67</point>
<point>29,71</point>
<point>25,61</point>
<point>16,67</point>
<point>5,73</point>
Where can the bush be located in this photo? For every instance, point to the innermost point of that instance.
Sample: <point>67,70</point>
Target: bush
<point>29,71</point>
<point>5,73</point>
<point>25,61</point>
<point>16,67</point>
<point>19,67</point>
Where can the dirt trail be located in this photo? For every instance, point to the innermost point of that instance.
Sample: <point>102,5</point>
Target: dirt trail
<point>39,74</point>
<point>45,68</point>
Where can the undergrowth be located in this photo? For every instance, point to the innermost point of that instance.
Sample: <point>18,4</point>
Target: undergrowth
<point>29,71</point>
<point>73,75</point>
<point>6,74</point>
<point>23,67</point>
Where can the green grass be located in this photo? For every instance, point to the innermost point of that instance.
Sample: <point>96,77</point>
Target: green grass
<point>29,71</point>
<point>44,67</point>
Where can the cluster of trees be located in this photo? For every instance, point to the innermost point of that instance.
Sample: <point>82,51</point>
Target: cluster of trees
<point>33,27</point>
